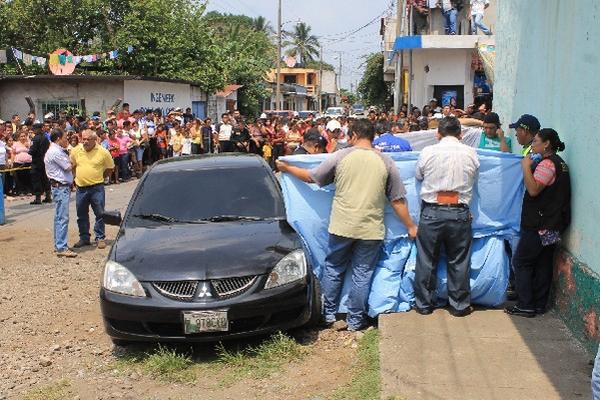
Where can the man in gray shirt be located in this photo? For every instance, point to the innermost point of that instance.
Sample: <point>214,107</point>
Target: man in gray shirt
<point>59,172</point>
<point>364,179</point>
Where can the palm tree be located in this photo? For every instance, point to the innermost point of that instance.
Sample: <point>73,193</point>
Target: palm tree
<point>260,24</point>
<point>302,43</point>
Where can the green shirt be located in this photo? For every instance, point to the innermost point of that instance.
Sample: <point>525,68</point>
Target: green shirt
<point>493,143</point>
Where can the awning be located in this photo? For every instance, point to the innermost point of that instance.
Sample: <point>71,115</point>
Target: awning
<point>228,90</point>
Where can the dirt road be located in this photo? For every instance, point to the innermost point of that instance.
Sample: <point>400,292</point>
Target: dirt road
<point>52,342</point>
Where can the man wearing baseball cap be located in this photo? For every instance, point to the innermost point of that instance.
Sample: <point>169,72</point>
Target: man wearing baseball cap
<point>526,127</point>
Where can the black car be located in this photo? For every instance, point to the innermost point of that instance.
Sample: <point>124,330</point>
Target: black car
<point>204,253</point>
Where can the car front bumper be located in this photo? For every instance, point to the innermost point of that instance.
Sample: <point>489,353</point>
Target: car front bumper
<point>156,318</point>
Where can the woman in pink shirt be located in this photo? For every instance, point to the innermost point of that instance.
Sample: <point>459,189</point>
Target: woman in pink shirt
<point>22,159</point>
<point>125,142</point>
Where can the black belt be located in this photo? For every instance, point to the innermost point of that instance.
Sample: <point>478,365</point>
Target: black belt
<point>459,205</point>
<point>55,183</point>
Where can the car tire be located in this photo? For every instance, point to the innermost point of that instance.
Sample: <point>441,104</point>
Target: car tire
<point>316,307</point>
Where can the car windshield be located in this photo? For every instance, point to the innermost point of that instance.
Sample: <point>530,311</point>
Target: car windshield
<point>218,195</point>
<point>334,111</point>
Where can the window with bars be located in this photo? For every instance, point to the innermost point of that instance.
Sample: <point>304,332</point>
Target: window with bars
<point>72,107</point>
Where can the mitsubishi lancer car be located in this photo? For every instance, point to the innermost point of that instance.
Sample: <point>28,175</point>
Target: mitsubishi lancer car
<point>204,253</point>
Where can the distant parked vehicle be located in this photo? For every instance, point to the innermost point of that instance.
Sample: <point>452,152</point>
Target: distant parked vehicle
<point>306,113</point>
<point>335,112</point>
<point>358,109</point>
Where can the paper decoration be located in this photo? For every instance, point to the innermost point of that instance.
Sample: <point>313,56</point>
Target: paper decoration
<point>64,58</point>
<point>54,59</point>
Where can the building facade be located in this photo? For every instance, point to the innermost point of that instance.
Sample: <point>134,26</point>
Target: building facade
<point>436,65</point>
<point>300,89</point>
<point>53,93</point>
<point>547,58</point>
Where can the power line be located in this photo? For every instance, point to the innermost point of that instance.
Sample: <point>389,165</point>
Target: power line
<point>335,37</point>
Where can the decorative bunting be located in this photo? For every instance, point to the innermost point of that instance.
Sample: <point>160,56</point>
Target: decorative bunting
<point>12,54</point>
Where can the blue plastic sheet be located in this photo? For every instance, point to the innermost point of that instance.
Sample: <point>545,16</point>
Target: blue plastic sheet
<point>496,209</point>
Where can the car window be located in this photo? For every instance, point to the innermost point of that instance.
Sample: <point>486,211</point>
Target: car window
<point>202,194</point>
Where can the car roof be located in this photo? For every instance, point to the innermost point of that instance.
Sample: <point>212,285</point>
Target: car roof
<point>209,161</point>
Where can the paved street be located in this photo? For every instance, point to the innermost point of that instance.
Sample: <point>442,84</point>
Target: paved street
<point>487,355</point>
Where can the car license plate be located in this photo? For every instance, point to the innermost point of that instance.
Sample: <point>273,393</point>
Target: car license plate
<point>205,321</point>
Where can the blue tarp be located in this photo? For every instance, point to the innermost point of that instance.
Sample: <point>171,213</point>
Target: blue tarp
<point>496,209</point>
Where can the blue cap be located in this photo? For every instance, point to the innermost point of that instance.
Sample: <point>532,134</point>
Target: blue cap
<point>528,122</point>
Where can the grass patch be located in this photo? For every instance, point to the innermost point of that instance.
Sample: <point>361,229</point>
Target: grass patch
<point>163,363</point>
<point>56,391</point>
<point>260,361</point>
<point>228,364</point>
<point>366,381</point>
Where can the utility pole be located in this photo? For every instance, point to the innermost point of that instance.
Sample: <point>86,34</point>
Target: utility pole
<point>278,87</point>
<point>398,95</point>
<point>320,91</point>
<point>340,78</point>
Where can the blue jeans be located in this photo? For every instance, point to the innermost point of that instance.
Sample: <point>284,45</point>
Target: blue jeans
<point>86,197</point>
<point>61,196</point>
<point>477,22</point>
<point>362,256</point>
<point>124,166</point>
<point>596,378</point>
<point>450,21</point>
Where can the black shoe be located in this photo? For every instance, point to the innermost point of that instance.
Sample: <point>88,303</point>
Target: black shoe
<point>541,311</point>
<point>424,311</point>
<point>82,243</point>
<point>36,202</point>
<point>47,200</point>
<point>460,313</point>
<point>514,310</point>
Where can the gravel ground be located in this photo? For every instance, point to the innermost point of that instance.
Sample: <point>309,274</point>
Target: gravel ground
<point>51,331</point>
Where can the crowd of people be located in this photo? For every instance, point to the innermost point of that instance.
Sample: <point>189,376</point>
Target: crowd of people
<point>453,13</point>
<point>67,153</point>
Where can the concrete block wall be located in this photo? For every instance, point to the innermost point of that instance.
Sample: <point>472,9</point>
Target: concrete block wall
<point>547,65</point>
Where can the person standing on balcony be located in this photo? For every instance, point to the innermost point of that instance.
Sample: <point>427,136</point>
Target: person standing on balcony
<point>420,15</point>
<point>450,9</point>
<point>476,15</point>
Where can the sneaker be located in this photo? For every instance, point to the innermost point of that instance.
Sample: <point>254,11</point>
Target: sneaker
<point>514,310</point>
<point>100,244</point>
<point>424,311</point>
<point>460,313</point>
<point>82,243</point>
<point>66,253</point>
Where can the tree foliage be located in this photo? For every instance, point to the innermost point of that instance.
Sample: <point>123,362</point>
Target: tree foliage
<point>301,42</point>
<point>174,40</point>
<point>372,88</point>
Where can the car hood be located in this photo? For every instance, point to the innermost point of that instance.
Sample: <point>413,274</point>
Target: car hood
<point>203,251</point>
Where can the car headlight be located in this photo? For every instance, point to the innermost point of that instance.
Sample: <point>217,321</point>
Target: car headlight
<point>118,279</point>
<point>291,268</point>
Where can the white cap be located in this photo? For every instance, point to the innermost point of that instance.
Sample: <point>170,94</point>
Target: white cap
<point>333,125</point>
<point>49,116</point>
<point>263,116</point>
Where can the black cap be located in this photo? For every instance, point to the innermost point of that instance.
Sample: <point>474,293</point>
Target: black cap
<point>528,122</point>
<point>492,118</point>
<point>37,126</point>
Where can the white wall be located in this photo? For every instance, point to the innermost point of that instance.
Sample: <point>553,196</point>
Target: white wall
<point>446,67</point>
<point>153,94</point>
<point>99,95</point>
<point>329,82</point>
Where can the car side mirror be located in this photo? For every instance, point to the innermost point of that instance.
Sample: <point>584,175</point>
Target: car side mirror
<point>112,218</point>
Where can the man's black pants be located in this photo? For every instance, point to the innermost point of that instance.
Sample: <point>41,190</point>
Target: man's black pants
<point>450,227</point>
<point>533,271</point>
<point>39,180</point>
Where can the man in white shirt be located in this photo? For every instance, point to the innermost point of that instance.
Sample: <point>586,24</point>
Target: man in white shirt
<point>448,171</point>
<point>224,130</point>
<point>476,16</point>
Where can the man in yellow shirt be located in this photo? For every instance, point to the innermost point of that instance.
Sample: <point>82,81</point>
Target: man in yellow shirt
<point>91,163</point>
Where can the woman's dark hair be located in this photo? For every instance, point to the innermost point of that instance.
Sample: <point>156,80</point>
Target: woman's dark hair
<point>550,135</point>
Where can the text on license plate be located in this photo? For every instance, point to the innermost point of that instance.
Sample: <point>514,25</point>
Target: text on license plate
<point>205,321</point>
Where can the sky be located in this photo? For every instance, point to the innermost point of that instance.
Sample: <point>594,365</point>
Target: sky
<point>332,21</point>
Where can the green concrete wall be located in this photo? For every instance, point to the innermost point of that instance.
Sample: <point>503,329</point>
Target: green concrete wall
<point>548,65</point>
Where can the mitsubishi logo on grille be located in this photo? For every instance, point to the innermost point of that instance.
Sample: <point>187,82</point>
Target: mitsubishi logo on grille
<point>204,291</point>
